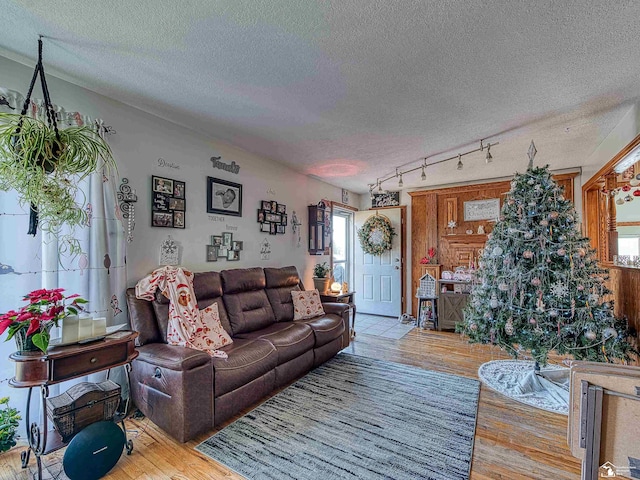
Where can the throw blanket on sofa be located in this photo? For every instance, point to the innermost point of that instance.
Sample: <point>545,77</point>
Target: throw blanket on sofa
<point>188,326</point>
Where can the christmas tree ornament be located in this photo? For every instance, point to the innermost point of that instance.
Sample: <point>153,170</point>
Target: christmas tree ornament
<point>562,238</point>
<point>590,335</point>
<point>553,215</point>
<point>528,235</point>
<point>532,321</point>
<point>628,198</point>
<point>561,252</point>
<point>493,303</point>
<point>503,287</point>
<point>527,254</point>
<point>497,251</point>
<point>634,182</point>
<point>636,193</point>
<point>580,288</point>
<point>508,327</point>
<point>553,312</point>
<point>544,222</point>
<point>535,281</point>
<point>609,332</point>
<point>626,188</point>
<point>559,289</point>
<point>620,201</point>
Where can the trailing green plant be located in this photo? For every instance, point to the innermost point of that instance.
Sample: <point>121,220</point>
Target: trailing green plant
<point>320,270</point>
<point>9,419</point>
<point>46,167</point>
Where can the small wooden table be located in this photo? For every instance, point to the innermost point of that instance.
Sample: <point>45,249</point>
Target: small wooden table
<point>36,369</point>
<point>346,297</point>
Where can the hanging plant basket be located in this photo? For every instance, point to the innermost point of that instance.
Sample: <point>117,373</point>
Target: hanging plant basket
<point>45,165</point>
<point>376,235</point>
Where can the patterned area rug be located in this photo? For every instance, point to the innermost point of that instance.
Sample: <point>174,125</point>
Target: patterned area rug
<point>516,379</point>
<point>356,418</point>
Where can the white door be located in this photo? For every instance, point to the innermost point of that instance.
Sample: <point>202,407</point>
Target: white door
<point>378,280</point>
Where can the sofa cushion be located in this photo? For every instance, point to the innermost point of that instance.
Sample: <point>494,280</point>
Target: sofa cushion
<point>245,300</point>
<point>290,339</point>
<point>325,328</point>
<point>280,282</point>
<point>143,320</point>
<point>247,360</point>
<point>306,304</point>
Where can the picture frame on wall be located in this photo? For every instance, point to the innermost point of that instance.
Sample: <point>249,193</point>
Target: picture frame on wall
<point>212,253</point>
<point>233,255</point>
<point>266,205</point>
<point>224,197</point>
<point>226,239</point>
<point>236,246</point>
<point>261,214</point>
<point>222,252</point>
<point>216,240</point>
<point>265,227</point>
<point>168,204</point>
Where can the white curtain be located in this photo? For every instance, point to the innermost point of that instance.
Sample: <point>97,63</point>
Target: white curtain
<point>28,263</point>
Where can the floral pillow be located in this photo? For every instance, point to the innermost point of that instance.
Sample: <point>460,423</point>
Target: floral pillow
<point>206,333</point>
<point>306,304</point>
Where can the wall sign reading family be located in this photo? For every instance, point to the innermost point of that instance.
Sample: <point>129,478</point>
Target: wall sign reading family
<point>272,217</point>
<point>168,205</point>
<point>224,197</point>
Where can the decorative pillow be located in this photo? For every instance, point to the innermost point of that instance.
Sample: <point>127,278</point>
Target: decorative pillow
<point>213,334</point>
<point>306,304</point>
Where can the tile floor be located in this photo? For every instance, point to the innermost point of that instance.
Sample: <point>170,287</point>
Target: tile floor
<point>388,327</point>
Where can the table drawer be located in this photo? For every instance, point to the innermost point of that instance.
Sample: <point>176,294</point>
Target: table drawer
<point>88,362</point>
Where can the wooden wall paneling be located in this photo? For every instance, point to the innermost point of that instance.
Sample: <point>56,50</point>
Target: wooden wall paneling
<point>431,211</point>
<point>625,285</point>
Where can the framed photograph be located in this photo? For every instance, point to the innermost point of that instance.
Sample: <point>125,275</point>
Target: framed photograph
<point>178,219</point>
<point>280,228</point>
<point>319,215</point>
<point>265,227</point>
<point>222,252</point>
<point>266,205</point>
<point>168,205</point>
<point>162,219</point>
<point>160,201</point>
<point>226,239</point>
<point>285,219</point>
<point>236,246</point>
<point>233,255</point>
<point>281,208</point>
<point>216,240</point>
<point>260,216</point>
<point>224,197</point>
<point>272,229</point>
<point>176,204</point>
<point>162,185</point>
<point>274,206</point>
<point>212,253</point>
<point>273,217</point>
<point>178,189</point>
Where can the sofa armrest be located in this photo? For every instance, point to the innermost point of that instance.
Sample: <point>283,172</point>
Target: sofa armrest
<point>341,310</point>
<point>172,357</point>
<point>335,308</point>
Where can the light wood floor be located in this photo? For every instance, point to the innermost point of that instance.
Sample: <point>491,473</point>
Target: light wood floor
<point>513,441</point>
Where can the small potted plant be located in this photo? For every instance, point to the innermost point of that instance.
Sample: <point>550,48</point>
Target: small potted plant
<point>321,280</point>
<point>8,425</point>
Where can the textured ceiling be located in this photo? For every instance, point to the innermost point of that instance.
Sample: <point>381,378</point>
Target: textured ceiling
<point>349,90</point>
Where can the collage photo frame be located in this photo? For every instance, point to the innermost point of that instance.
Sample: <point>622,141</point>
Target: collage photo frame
<point>168,202</point>
<point>272,217</point>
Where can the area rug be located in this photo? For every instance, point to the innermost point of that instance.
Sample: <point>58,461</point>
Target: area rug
<point>356,418</point>
<point>516,380</point>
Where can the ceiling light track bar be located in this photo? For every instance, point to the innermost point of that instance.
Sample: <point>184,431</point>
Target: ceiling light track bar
<point>399,173</point>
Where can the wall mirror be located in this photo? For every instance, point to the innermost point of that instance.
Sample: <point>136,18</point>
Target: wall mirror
<point>611,208</point>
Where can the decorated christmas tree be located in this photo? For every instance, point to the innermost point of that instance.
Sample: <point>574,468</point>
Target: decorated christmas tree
<point>539,287</point>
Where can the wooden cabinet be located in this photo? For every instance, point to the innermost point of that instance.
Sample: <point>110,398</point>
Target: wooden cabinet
<point>451,303</point>
<point>316,230</point>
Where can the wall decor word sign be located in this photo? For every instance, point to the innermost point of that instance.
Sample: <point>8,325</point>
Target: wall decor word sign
<point>168,205</point>
<point>227,167</point>
<point>386,199</point>
<point>272,217</point>
<point>223,246</point>
<point>482,210</point>
<point>224,197</point>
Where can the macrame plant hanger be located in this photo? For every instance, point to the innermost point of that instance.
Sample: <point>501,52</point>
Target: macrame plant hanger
<point>51,120</point>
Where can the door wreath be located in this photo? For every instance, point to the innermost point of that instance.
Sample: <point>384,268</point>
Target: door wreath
<point>376,235</point>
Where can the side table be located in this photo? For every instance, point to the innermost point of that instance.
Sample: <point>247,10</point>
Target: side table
<point>424,301</point>
<point>346,297</point>
<point>60,364</point>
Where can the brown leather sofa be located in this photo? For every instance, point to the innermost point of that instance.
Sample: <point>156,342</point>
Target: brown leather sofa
<point>186,392</point>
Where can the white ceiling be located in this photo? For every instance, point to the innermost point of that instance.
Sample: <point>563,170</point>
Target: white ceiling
<point>349,90</point>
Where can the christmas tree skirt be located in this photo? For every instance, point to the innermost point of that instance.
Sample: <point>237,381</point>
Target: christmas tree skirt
<point>548,389</point>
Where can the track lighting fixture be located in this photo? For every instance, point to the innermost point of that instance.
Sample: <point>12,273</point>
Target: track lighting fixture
<point>423,176</point>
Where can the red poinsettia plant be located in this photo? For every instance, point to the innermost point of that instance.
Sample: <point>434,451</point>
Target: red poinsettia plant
<point>431,256</point>
<point>44,310</point>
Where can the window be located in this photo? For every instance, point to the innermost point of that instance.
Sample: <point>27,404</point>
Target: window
<point>342,222</point>
<point>629,246</point>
